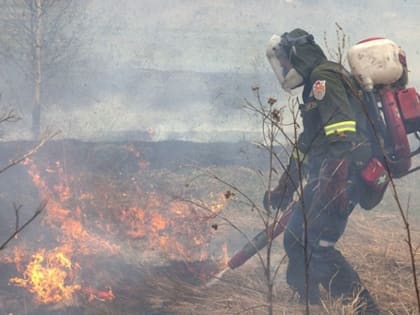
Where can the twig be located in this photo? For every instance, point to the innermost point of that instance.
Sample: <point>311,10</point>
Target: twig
<point>17,208</point>
<point>9,116</point>
<point>29,153</point>
<point>38,211</point>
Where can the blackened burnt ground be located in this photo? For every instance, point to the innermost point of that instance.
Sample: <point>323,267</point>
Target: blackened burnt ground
<point>97,182</point>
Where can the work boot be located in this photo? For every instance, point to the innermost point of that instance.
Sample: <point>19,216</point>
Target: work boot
<point>364,304</point>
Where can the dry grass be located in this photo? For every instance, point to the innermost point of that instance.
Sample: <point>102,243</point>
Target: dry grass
<point>374,244</point>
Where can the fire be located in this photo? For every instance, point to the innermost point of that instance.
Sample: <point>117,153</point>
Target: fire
<point>95,294</point>
<point>50,276</point>
<point>89,216</point>
<point>158,222</point>
<point>176,227</point>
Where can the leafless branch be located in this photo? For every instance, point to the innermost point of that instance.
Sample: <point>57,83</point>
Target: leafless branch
<point>9,116</point>
<point>37,212</point>
<point>30,152</point>
<point>17,209</point>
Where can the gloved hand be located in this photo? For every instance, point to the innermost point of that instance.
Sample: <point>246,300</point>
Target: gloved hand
<point>282,195</point>
<point>276,200</point>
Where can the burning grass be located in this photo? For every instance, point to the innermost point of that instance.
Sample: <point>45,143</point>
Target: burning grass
<point>116,240</point>
<point>94,222</point>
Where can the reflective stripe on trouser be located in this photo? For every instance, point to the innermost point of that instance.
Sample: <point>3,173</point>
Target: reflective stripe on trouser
<point>325,243</point>
<point>339,127</point>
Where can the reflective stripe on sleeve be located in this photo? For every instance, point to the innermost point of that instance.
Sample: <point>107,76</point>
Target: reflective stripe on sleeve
<point>342,126</point>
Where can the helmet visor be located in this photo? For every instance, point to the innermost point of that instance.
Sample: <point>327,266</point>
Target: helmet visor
<point>278,58</point>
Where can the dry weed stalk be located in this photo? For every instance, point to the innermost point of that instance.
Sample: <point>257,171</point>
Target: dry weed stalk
<point>338,55</point>
<point>273,130</point>
<point>273,127</point>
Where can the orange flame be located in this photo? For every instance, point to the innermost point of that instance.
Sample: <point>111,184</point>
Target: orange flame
<point>49,276</point>
<point>177,228</point>
<point>95,294</point>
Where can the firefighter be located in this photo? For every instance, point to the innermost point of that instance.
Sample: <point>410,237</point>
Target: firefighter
<point>335,141</point>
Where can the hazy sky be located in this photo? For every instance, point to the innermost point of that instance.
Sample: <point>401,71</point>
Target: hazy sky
<point>220,35</point>
<point>223,36</point>
<point>211,36</point>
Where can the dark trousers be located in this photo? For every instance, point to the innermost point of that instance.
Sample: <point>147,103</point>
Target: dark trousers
<point>316,224</point>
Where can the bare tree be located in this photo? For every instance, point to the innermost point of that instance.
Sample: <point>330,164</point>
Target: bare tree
<point>42,39</point>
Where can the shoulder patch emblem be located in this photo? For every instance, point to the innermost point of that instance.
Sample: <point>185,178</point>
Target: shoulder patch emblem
<point>318,89</point>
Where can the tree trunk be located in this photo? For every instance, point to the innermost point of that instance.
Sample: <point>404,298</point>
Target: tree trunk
<point>36,112</point>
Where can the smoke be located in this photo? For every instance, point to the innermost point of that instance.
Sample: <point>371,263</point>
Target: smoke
<point>182,70</point>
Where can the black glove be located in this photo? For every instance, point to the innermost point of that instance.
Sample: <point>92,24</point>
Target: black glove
<point>279,200</point>
<point>282,195</point>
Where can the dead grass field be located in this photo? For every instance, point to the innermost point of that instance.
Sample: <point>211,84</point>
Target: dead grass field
<point>146,281</point>
<point>374,242</point>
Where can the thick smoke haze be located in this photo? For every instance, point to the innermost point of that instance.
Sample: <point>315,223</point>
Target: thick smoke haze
<point>157,70</point>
